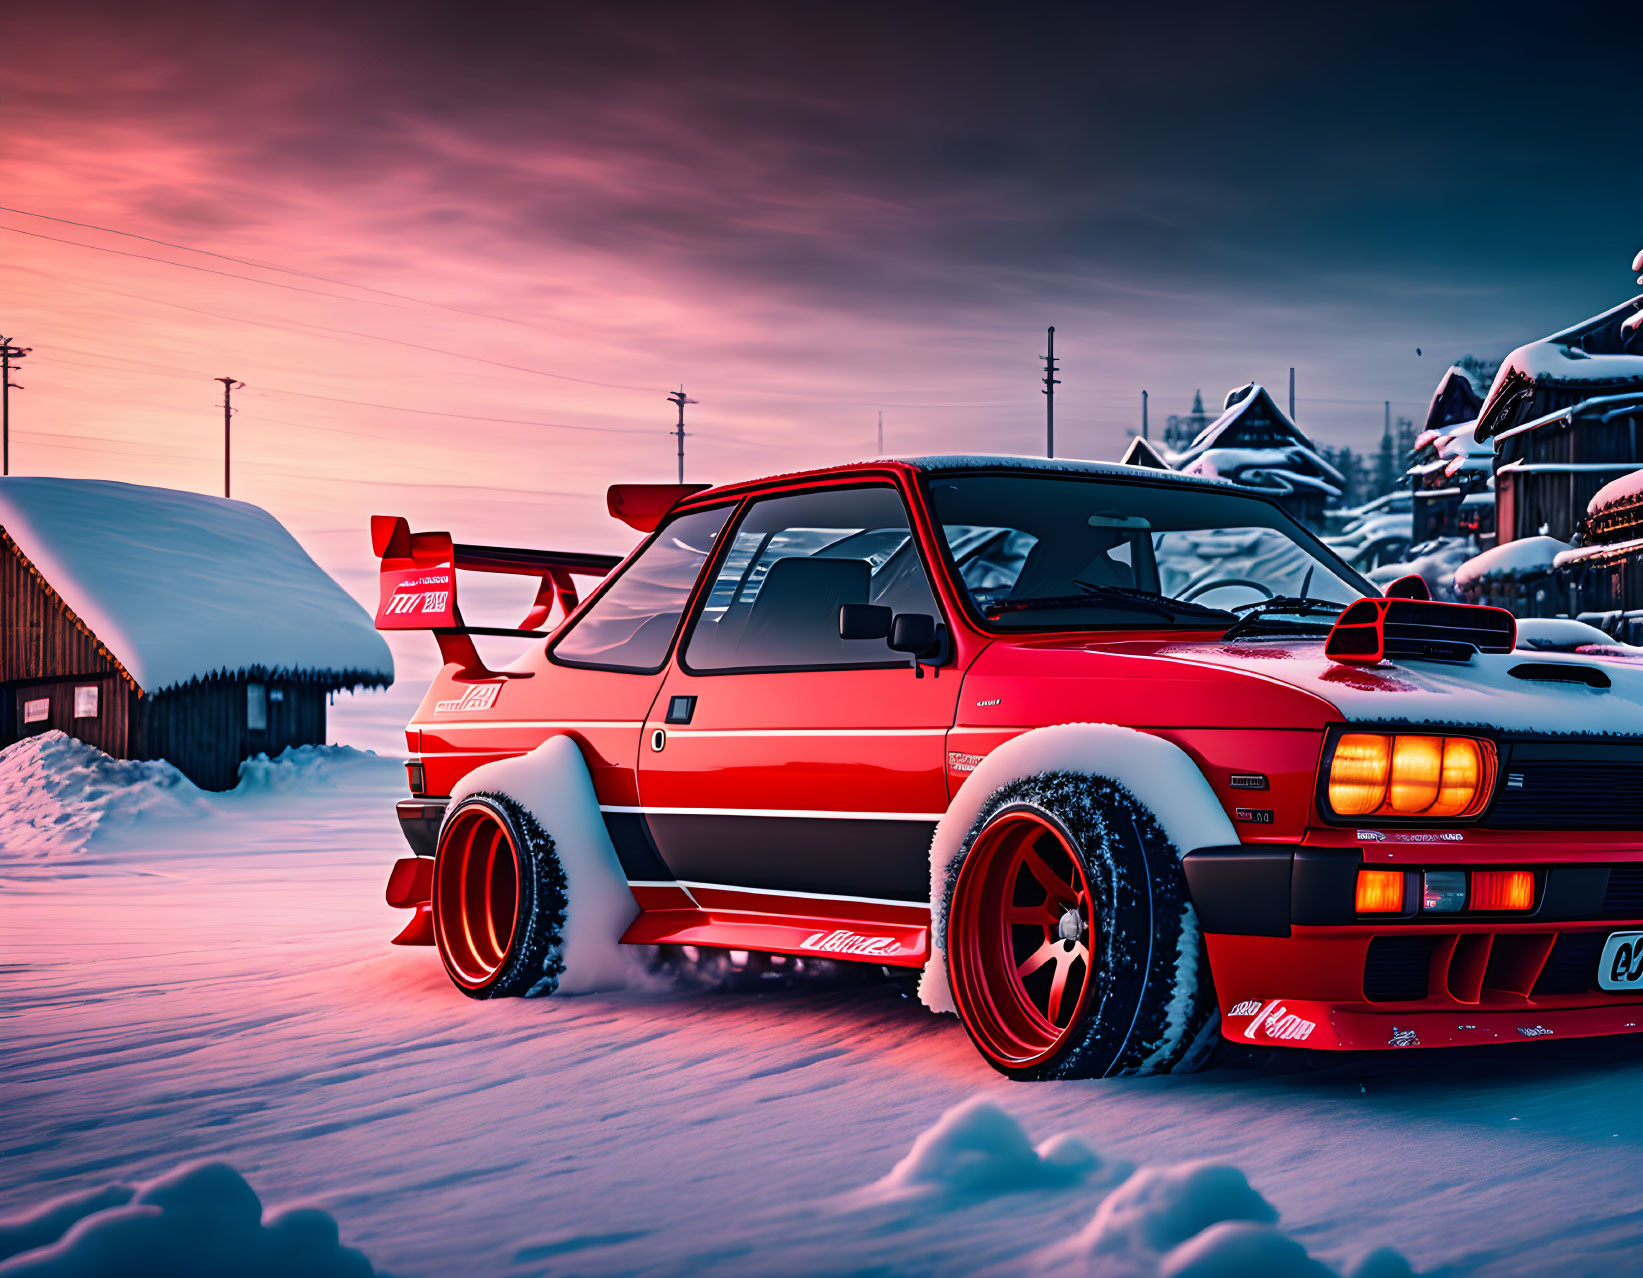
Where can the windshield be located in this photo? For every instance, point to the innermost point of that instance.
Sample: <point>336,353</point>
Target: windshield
<point>1052,551</point>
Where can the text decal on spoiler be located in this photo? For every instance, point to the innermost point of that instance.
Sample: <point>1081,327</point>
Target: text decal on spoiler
<point>417,598</point>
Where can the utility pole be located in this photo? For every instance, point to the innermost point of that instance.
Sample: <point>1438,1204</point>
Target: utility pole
<point>678,399</point>
<point>8,353</point>
<point>229,386</point>
<point>1051,381</point>
<point>1143,414</point>
<point>1291,394</point>
<point>881,433</point>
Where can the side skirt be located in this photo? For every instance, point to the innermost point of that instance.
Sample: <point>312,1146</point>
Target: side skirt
<point>895,933</point>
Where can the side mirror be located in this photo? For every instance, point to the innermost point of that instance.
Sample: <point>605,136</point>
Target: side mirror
<point>913,633</point>
<point>864,621</point>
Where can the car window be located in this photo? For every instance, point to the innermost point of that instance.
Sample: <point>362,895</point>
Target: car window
<point>1048,550</point>
<point>793,562</point>
<point>630,625</point>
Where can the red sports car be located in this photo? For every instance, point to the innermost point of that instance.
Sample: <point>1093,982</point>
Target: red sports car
<point>1119,758</point>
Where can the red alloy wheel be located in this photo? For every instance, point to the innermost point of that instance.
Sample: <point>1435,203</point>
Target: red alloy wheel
<point>1019,939</point>
<point>475,896</point>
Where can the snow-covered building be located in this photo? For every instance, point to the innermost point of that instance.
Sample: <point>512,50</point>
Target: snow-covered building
<point>1517,575</point>
<point>153,623</point>
<point>1564,416</point>
<point>1255,444</point>
<point>1604,570</point>
<point>1450,464</point>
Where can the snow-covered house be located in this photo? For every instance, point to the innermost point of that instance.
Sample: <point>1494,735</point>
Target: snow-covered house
<point>1516,575</point>
<point>1604,570</point>
<point>1564,416</point>
<point>1255,444</point>
<point>153,623</point>
<point>1449,463</point>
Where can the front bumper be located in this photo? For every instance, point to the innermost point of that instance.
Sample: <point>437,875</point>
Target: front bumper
<point>1295,965</point>
<point>1332,1027</point>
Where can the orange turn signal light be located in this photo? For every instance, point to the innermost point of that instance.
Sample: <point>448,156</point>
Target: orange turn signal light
<point>1502,890</point>
<point>1380,892</point>
<point>1410,775</point>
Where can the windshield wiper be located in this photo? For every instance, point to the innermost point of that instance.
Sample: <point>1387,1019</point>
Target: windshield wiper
<point>1136,599</point>
<point>1252,613</point>
<point>1184,607</point>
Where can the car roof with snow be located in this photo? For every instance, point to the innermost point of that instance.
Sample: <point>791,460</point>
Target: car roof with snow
<point>178,586</point>
<point>948,463</point>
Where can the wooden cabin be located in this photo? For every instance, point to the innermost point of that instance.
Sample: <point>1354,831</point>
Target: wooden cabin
<point>1603,572</point>
<point>1564,414</point>
<point>156,624</point>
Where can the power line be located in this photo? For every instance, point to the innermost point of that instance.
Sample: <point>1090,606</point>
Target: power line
<point>206,270</point>
<point>263,266</point>
<point>465,417</point>
<point>293,325</point>
<point>264,388</point>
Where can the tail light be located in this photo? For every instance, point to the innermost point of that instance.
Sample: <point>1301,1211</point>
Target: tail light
<point>1378,774</point>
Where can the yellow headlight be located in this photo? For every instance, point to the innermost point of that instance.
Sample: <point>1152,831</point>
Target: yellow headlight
<point>1462,777</point>
<point>1410,775</point>
<point>1417,772</point>
<point>1357,775</point>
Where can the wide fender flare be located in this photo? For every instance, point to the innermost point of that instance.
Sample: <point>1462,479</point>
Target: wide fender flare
<point>552,783</point>
<point>1158,774</point>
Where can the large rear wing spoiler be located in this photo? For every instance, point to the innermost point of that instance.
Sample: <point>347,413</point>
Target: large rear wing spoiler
<point>417,583</point>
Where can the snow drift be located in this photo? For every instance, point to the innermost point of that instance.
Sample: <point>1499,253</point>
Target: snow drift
<point>59,791</point>
<point>62,795</point>
<point>199,1221</point>
<point>978,1149</point>
<point>1199,1219</point>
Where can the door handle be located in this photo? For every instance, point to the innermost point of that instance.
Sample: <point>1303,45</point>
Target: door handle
<point>680,709</point>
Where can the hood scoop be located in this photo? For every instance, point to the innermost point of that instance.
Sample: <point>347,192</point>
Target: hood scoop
<point>1560,672</point>
<point>1372,630</point>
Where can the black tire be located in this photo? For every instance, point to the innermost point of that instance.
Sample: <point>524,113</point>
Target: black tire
<point>1146,1003</point>
<point>531,959</point>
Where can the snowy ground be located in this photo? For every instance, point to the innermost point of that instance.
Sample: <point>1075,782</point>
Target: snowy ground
<point>187,977</point>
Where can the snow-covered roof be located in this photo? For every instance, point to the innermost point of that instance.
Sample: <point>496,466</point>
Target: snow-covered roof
<point>1248,399</point>
<point>1511,559</point>
<point>1142,452</point>
<point>1627,488</point>
<point>1602,352</point>
<point>179,586</point>
<point>1456,398</point>
<point>1053,465</point>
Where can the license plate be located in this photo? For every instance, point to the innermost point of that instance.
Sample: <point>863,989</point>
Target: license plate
<point>1621,967</point>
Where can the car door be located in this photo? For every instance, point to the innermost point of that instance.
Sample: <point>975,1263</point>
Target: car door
<point>785,769</point>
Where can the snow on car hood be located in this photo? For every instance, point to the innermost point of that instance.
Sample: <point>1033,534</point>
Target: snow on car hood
<point>1481,693</point>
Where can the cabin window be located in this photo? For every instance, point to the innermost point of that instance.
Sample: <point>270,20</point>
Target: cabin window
<point>256,707</point>
<point>85,701</point>
<point>37,710</point>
